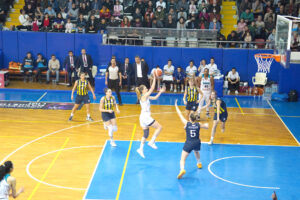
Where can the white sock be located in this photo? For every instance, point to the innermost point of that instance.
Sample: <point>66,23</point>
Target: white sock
<point>72,114</point>
<point>181,166</point>
<point>211,138</point>
<point>153,139</point>
<point>110,131</point>
<point>88,115</point>
<point>142,146</point>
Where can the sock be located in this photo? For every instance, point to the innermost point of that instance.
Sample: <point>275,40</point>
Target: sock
<point>211,138</point>
<point>114,128</point>
<point>153,139</point>
<point>181,166</point>
<point>142,145</point>
<point>88,115</point>
<point>72,114</point>
<point>110,131</point>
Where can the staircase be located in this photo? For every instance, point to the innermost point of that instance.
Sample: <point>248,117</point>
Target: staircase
<point>229,17</point>
<point>14,14</point>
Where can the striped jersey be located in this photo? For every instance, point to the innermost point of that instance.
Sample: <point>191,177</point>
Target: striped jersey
<point>82,87</point>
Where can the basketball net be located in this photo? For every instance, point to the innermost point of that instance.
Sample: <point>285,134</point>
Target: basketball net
<point>263,62</point>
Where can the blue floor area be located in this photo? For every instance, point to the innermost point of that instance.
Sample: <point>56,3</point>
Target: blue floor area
<point>127,98</point>
<point>155,176</point>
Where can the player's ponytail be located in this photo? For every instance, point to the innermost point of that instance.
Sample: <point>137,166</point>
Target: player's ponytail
<point>5,169</point>
<point>139,91</point>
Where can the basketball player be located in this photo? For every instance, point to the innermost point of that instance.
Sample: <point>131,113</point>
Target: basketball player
<point>107,104</point>
<point>190,98</point>
<point>221,114</point>
<point>7,182</point>
<point>193,142</point>
<point>82,96</point>
<point>206,86</point>
<point>146,120</point>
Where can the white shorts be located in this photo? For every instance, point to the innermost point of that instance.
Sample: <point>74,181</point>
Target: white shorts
<point>146,120</point>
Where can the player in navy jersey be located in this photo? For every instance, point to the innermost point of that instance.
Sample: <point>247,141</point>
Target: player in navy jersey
<point>193,142</point>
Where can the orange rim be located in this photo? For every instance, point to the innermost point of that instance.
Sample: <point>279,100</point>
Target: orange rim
<point>276,57</point>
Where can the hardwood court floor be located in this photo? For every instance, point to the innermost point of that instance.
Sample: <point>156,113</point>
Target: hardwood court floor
<point>74,167</point>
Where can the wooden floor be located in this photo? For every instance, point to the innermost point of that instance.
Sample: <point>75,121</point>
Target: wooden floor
<point>74,167</point>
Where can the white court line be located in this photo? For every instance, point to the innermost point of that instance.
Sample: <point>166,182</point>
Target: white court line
<point>251,186</point>
<point>41,97</point>
<point>283,122</point>
<point>91,179</point>
<point>45,183</point>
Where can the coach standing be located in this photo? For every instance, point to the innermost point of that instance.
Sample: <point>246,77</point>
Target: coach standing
<point>141,72</point>
<point>114,75</point>
<point>85,63</point>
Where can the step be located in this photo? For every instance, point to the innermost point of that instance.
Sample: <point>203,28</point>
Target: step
<point>228,12</point>
<point>8,24</point>
<point>229,17</point>
<point>231,27</point>
<point>14,15</point>
<point>229,7</point>
<point>228,3</point>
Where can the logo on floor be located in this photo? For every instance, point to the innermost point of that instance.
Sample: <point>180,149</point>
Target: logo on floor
<point>37,105</point>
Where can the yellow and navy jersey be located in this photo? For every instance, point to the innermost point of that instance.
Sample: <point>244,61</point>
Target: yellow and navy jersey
<point>192,94</point>
<point>223,108</point>
<point>82,87</point>
<point>108,104</point>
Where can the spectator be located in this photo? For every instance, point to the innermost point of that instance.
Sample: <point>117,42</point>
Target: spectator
<point>281,10</point>
<point>137,14</point>
<point>161,3</point>
<point>271,39</point>
<point>179,77</point>
<point>69,26</point>
<point>50,11</point>
<point>108,4</point>
<point>203,24</point>
<point>46,23</point>
<point>96,5</point>
<point>182,4</point>
<point>113,78</point>
<point>253,29</point>
<point>168,74</point>
<point>149,12</point>
<point>35,24</point>
<point>170,23</point>
<point>73,12</point>
<point>140,4</point>
<point>260,25</point>
<point>104,12</point>
<point>70,64</point>
<point>62,5</point>
<point>39,13</point>
<point>247,16</point>
<point>29,10</point>
<point>192,24</point>
<point>27,66</point>
<point>269,25</point>
<point>201,6</point>
<point>41,64</point>
<point>181,24</point>
<point>295,42</point>
<point>158,78</point>
<point>171,5</point>
<point>137,23</point>
<point>192,8</point>
<point>147,23</point>
<point>113,22</point>
<point>290,8</point>
<point>159,14</point>
<point>232,38</point>
<point>268,14</point>
<point>182,13</point>
<point>173,14</point>
<point>257,7</point>
<point>190,72</point>
<point>85,63</point>
<point>125,22</point>
<point>53,66</point>
<point>214,8</point>
<point>84,10</point>
<point>245,4</point>
<point>221,37</point>
<point>58,23</point>
<point>241,26</point>
<point>127,73</point>
<point>248,40</point>
<point>69,4</point>
<point>214,25</point>
<point>80,24</point>
<point>204,14</point>
<point>118,9</point>
<point>24,20</point>
<point>2,15</point>
<point>212,67</point>
<point>233,81</point>
<point>92,25</point>
<point>103,26</point>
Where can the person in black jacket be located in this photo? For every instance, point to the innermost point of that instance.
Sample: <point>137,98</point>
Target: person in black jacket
<point>85,64</point>
<point>127,72</point>
<point>27,66</point>
<point>92,25</point>
<point>70,64</point>
<point>41,65</point>
<point>140,72</point>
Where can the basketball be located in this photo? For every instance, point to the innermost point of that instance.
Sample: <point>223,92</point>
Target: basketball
<point>158,72</point>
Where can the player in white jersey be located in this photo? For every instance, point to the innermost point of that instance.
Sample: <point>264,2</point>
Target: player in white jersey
<point>7,182</point>
<point>146,120</point>
<point>206,86</point>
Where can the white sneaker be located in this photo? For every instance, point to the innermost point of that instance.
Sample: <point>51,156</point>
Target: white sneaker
<point>105,127</point>
<point>210,142</point>
<point>140,151</point>
<point>113,144</point>
<point>175,91</point>
<point>228,92</point>
<point>236,92</point>
<point>152,145</point>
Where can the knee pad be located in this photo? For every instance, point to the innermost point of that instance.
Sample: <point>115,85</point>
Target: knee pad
<point>114,128</point>
<point>146,133</point>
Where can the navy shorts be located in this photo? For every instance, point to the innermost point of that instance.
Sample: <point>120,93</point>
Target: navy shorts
<point>190,146</point>
<point>223,116</point>
<point>85,99</point>
<point>192,106</point>
<point>107,116</point>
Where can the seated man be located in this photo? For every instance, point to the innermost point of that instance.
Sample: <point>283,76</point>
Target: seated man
<point>179,76</point>
<point>41,64</point>
<point>27,66</point>
<point>53,66</point>
<point>190,72</point>
<point>70,64</point>
<point>233,81</point>
<point>168,74</point>
<point>158,79</point>
<point>127,72</point>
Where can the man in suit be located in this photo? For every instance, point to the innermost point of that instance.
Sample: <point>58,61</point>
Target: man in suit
<point>127,72</point>
<point>140,72</point>
<point>70,64</point>
<point>85,63</point>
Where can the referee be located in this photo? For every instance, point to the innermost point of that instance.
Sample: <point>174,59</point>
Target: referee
<point>114,75</point>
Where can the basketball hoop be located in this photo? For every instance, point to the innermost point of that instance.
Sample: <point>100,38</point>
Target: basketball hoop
<point>264,61</point>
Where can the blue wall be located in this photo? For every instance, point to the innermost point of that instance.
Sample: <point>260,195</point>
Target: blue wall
<point>15,45</point>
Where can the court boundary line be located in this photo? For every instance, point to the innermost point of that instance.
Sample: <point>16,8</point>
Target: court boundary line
<point>283,122</point>
<point>42,97</point>
<point>94,172</point>
<point>235,183</point>
<point>50,152</point>
<point>237,102</point>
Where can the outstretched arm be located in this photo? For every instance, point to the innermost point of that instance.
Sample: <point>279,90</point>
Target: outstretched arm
<point>151,88</point>
<point>184,121</point>
<point>158,94</point>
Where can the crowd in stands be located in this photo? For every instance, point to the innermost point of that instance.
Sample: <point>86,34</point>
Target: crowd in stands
<point>5,5</point>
